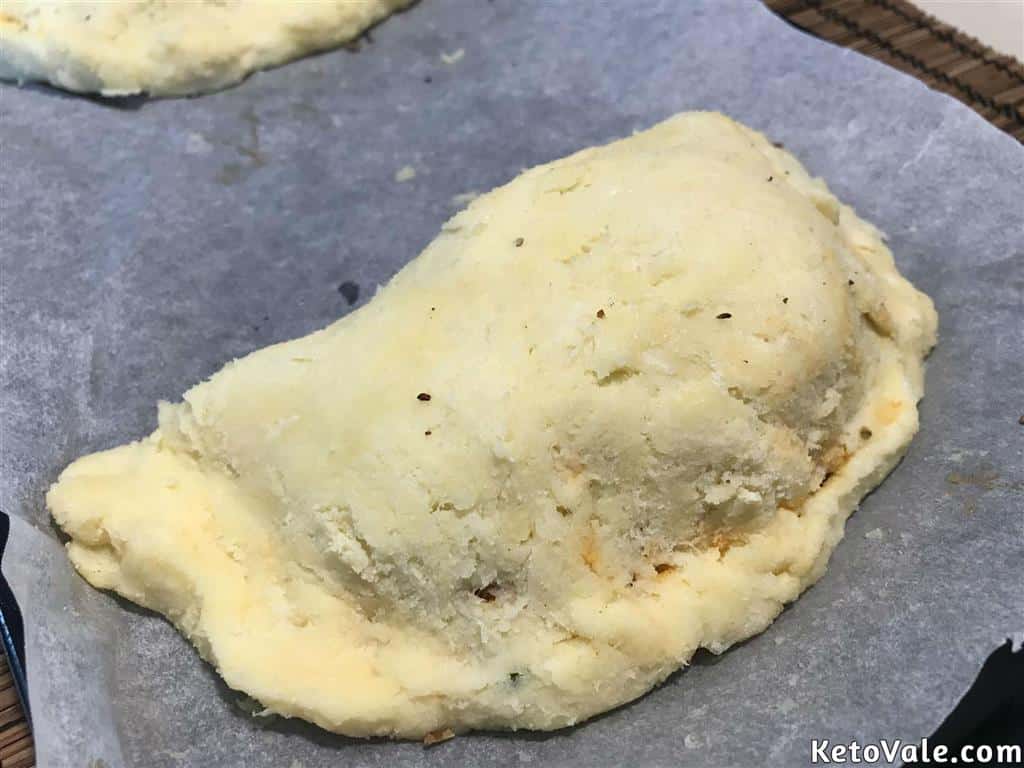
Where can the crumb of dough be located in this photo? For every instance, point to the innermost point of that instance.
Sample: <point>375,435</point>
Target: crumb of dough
<point>405,173</point>
<point>473,503</point>
<point>454,57</point>
<point>465,198</point>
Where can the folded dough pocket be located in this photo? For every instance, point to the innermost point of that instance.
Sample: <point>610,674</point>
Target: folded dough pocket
<point>617,411</point>
<point>123,47</point>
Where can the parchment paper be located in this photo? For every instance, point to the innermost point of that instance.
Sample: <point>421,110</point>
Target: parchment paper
<point>145,244</point>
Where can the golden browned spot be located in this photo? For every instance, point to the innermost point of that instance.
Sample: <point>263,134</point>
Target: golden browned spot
<point>835,457</point>
<point>6,18</point>
<point>436,737</point>
<point>888,411</point>
<point>833,460</point>
<point>723,541</point>
<point>589,552</point>
<point>880,320</point>
<point>793,504</point>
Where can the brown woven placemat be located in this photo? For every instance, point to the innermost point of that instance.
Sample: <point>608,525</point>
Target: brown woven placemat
<point>16,749</point>
<point>898,33</point>
<point>892,31</point>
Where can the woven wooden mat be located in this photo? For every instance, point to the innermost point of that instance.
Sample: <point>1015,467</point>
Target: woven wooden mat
<point>15,739</point>
<point>897,33</point>
<point>892,31</point>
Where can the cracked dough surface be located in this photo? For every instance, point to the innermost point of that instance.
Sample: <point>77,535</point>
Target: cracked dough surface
<point>617,411</point>
<point>170,47</point>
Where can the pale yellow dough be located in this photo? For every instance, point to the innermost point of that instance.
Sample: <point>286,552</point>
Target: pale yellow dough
<point>170,47</point>
<point>661,373</point>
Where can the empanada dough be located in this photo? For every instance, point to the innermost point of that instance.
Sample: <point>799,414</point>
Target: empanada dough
<point>617,411</point>
<point>170,47</point>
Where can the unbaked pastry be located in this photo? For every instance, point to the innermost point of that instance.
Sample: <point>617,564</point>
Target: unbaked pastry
<point>170,47</point>
<point>617,411</point>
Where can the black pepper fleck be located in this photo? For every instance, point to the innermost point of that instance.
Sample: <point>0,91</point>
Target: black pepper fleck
<point>487,593</point>
<point>423,397</point>
<point>519,242</point>
<point>600,313</point>
<point>865,433</point>
<point>778,145</point>
<point>724,316</point>
<point>785,299</point>
<point>771,178</point>
<point>428,433</point>
<point>849,282</point>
